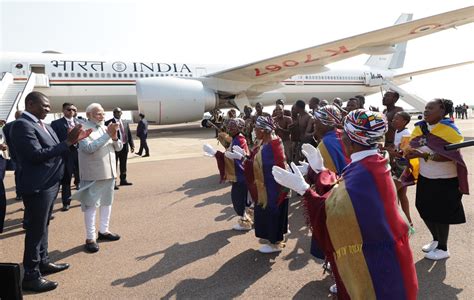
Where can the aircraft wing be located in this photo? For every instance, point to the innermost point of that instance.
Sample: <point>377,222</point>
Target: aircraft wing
<point>426,71</point>
<point>313,60</point>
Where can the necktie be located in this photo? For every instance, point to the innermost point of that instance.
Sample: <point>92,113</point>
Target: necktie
<point>122,132</point>
<point>70,124</point>
<point>44,127</point>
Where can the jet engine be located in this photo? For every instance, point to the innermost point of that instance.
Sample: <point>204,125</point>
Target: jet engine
<point>174,100</point>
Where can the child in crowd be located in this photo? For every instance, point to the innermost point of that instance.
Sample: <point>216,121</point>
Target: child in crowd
<point>398,162</point>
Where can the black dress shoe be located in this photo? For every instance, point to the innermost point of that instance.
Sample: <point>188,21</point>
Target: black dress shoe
<point>139,154</point>
<point>53,268</point>
<point>108,236</point>
<point>91,247</point>
<point>125,183</point>
<point>116,187</point>
<point>65,208</point>
<point>39,285</point>
<point>146,155</point>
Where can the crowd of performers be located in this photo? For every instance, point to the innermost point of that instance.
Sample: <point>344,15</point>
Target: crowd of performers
<point>349,184</point>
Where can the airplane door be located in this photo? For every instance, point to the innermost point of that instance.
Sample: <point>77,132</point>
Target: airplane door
<point>20,70</point>
<point>299,80</point>
<point>42,79</point>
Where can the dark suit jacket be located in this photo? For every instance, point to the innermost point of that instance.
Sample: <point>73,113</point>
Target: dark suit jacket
<point>6,136</point>
<point>142,128</point>
<point>39,154</point>
<point>60,126</point>
<point>126,129</point>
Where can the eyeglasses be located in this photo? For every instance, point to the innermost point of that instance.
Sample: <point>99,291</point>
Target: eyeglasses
<point>71,109</point>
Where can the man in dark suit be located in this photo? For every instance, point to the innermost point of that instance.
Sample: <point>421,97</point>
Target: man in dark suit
<point>142,134</point>
<point>39,151</point>
<point>70,159</point>
<point>125,135</point>
<point>3,165</point>
<point>15,164</point>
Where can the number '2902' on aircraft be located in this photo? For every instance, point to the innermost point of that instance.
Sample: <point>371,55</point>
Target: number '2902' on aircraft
<point>171,92</point>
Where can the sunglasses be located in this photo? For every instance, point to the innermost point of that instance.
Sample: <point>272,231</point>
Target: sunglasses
<point>71,109</point>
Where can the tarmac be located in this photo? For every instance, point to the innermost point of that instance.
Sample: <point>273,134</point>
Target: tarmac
<point>175,222</point>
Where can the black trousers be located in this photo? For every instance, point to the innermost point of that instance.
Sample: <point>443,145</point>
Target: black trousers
<point>38,210</point>
<point>121,159</point>
<point>66,186</point>
<point>238,193</point>
<point>3,198</point>
<point>143,145</point>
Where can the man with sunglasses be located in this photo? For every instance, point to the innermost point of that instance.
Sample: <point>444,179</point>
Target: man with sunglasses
<point>71,163</point>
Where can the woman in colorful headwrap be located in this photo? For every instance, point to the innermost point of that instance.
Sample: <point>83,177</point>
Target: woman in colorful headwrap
<point>271,202</point>
<point>358,222</point>
<point>231,170</point>
<point>442,175</point>
<point>326,122</point>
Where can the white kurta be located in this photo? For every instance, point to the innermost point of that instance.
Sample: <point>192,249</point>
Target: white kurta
<point>97,167</point>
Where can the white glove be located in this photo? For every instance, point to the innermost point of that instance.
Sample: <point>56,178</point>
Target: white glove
<point>209,150</point>
<point>303,167</point>
<point>239,150</point>
<point>293,180</point>
<point>314,157</point>
<point>233,155</point>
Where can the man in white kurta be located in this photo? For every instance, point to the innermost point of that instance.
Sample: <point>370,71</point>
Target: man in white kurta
<point>97,169</point>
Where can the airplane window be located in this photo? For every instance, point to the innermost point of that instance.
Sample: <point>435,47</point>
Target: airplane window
<point>53,74</point>
<point>96,75</point>
<point>114,75</point>
<point>141,75</point>
<point>125,75</point>
<point>60,74</point>
<point>146,75</point>
<point>190,75</point>
<point>91,75</point>
<point>66,74</point>
<point>136,75</point>
<point>162,75</point>
<point>79,75</point>
<point>120,75</point>
<point>108,75</point>
<point>102,75</point>
<point>72,74</point>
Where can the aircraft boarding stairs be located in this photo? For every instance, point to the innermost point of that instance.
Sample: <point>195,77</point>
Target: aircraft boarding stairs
<point>12,95</point>
<point>415,101</point>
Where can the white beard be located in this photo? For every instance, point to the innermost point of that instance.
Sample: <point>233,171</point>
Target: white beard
<point>100,123</point>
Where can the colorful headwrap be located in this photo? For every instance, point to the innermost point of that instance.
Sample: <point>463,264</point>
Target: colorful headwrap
<point>329,115</point>
<point>365,127</point>
<point>265,122</point>
<point>236,123</point>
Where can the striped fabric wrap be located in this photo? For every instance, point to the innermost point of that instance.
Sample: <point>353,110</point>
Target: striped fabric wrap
<point>263,188</point>
<point>232,170</point>
<point>333,152</point>
<point>443,133</point>
<point>334,155</point>
<point>363,234</point>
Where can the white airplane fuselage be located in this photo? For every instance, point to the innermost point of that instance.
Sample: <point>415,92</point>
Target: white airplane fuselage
<point>83,80</point>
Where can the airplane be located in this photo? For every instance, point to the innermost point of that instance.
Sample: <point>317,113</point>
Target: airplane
<point>170,93</point>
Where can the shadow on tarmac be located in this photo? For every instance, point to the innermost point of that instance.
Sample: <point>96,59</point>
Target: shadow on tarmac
<point>316,290</point>
<point>199,186</point>
<point>431,275</point>
<point>300,255</point>
<point>178,256</point>
<point>230,281</point>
